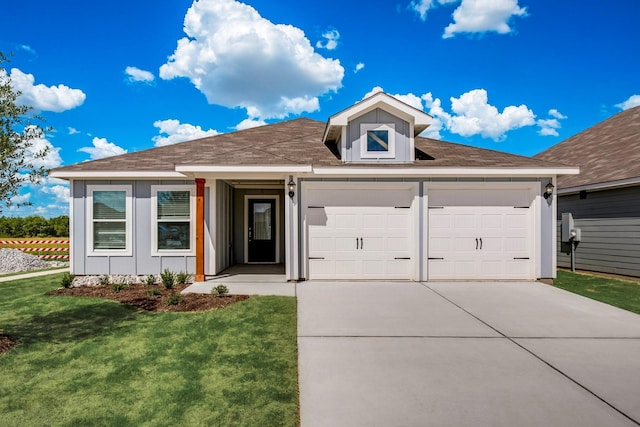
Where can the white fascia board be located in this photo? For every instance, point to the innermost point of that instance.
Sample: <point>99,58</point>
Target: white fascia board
<point>600,186</point>
<point>244,169</point>
<point>444,172</point>
<point>387,103</point>
<point>116,174</point>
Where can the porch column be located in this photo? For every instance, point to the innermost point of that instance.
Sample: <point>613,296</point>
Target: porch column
<point>200,230</point>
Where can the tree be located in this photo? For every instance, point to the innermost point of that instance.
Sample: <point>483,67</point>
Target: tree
<point>18,129</point>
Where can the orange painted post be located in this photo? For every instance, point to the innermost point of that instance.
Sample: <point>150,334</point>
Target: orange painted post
<point>200,230</point>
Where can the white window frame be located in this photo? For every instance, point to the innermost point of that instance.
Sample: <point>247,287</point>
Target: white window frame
<point>154,221</point>
<point>391,131</point>
<point>128,250</point>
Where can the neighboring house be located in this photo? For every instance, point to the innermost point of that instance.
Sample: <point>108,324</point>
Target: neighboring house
<point>360,197</point>
<point>604,198</point>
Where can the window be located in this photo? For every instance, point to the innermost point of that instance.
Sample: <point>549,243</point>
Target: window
<point>377,141</point>
<point>109,211</point>
<point>172,212</point>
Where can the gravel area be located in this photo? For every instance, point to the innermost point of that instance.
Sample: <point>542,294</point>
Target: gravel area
<point>14,261</point>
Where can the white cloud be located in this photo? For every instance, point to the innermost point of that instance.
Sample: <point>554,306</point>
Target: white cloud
<point>178,132</point>
<point>236,58</point>
<point>473,115</point>
<point>250,123</point>
<point>557,114</point>
<point>549,127</point>
<point>135,74</point>
<point>20,199</point>
<point>51,160</point>
<point>61,192</point>
<point>331,37</point>
<point>102,148</point>
<point>479,16</point>
<point>359,66</point>
<point>421,7</point>
<point>72,130</point>
<point>44,98</point>
<point>633,101</point>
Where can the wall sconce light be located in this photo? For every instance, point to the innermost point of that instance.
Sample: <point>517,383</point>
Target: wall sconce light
<point>292,186</point>
<point>548,190</point>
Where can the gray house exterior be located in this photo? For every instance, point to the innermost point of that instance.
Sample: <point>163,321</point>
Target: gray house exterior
<point>604,199</point>
<point>361,196</point>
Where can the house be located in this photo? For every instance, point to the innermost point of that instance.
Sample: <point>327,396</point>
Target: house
<point>604,199</point>
<point>360,197</point>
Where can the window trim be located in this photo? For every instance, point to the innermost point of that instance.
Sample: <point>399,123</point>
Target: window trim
<point>390,153</point>
<point>128,250</point>
<point>154,221</point>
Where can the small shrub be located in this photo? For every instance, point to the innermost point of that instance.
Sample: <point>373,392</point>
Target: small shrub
<point>67,280</point>
<point>220,290</point>
<point>168,278</point>
<point>104,280</point>
<point>150,280</point>
<point>119,286</point>
<point>182,277</point>
<point>154,292</point>
<point>174,299</point>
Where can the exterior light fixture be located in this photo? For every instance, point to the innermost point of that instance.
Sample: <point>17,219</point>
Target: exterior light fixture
<point>292,186</point>
<point>548,190</point>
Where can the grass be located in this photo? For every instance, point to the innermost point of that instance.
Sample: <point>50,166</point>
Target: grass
<point>85,361</point>
<point>619,293</point>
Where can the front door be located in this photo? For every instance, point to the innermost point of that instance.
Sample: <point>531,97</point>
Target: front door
<point>261,233</point>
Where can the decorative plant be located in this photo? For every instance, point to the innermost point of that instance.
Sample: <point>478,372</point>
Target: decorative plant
<point>104,280</point>
<point>150,280</point>
<point>118,286</point>
<point>174,299</point>
<point>220,290</point>
<point>182,277</point>
<point>154,292</point>
<point>168,278</point>
<point>67,280</point>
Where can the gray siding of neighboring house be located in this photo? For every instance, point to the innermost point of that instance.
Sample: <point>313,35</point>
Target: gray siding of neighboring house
<point>141,262</point>
<point>610,223</point>
<point>402,137</point>
<point>241,215</point>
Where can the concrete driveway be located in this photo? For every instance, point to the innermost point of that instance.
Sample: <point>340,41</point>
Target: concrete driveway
<point>464,354</point>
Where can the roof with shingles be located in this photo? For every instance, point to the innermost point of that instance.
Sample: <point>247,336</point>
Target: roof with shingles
<point>294,142</point>
<point>606,152</point>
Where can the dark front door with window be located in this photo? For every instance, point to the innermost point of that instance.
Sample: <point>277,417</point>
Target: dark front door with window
<point>261,234</point>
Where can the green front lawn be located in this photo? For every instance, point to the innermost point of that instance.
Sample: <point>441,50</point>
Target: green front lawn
<point>86,361</point>
<point>619,293</point>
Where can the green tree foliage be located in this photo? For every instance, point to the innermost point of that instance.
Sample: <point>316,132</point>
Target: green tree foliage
<point>34,226</point>
<point>18,129</point>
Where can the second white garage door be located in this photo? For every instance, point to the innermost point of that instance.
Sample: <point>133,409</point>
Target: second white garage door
<point>360,233</point>
<point>480,234</point>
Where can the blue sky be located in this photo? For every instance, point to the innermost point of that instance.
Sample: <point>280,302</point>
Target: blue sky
<point>511,75</point>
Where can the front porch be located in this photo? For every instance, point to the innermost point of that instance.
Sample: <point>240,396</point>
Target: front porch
<point>248,279</point>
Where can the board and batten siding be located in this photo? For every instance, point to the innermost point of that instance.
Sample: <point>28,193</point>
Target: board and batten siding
<point>610,224</point>
<point>402,137</point>
<point>141,262</point>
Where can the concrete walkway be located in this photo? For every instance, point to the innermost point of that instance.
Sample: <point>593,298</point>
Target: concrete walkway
<point>464,354</point>
<point>35,274</point>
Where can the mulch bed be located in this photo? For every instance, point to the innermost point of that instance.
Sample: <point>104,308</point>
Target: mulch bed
<point>138,297</point>
<point>5,343</point>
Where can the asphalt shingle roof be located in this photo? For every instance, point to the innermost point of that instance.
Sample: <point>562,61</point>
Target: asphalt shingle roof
<point>608,151</point>
<point>293,142</point>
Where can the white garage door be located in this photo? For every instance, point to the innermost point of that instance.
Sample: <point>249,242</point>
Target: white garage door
<point>360,234</point>
<point>480,234</point>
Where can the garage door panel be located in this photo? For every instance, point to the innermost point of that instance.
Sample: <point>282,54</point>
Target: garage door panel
<point>479,233</point>
<point>366,236</point>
